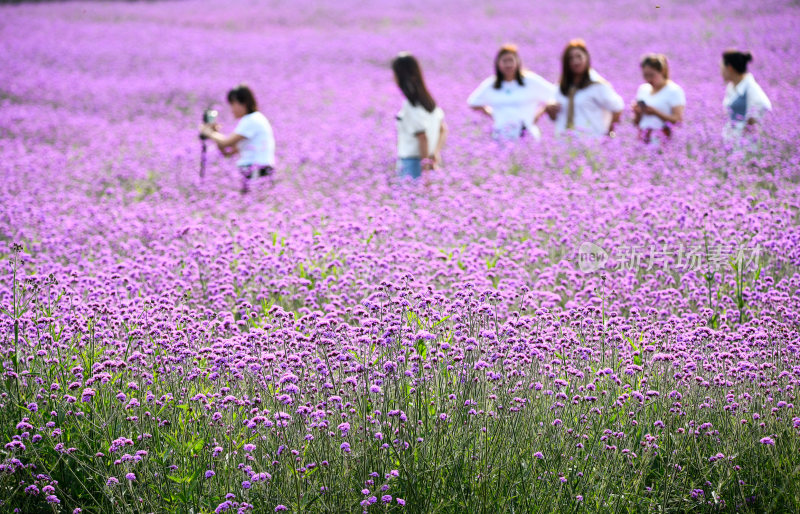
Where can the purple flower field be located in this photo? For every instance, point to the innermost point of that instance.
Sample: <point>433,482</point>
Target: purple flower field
<point>561,326</point>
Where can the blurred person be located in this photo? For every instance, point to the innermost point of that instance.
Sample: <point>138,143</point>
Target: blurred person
<point>252,139</point>
<point>512,96</point>
<point>421,130</point>
<point>585,103</point>
<point>745,102</point>
<point>659,102</point>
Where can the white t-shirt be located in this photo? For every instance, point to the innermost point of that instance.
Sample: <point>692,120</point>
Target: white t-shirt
<point>594,106</point>
<point>595,77</point>
<point>757,102</point>
<point>258,145</point>
<point>513,105</point>
<point>665,99</point>
<point>412,120</point>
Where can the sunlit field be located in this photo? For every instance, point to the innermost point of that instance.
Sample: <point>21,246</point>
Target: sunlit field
<point>554,326</point>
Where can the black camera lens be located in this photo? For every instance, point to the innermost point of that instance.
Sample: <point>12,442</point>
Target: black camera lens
<point>209,116</point>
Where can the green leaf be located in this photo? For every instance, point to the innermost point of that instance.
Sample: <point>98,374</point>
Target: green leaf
<point>422,348</point>
<point>440,321</point>
<point>413,317</point>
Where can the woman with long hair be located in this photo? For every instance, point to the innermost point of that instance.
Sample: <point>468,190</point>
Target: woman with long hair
<point>659,103</point>
<point>252,139</point>
<point>421,129</point>
<point>512,96</point>
<point>745,102</point>
<point>585,103</point>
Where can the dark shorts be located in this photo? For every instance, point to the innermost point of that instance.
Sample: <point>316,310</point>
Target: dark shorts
<point>646,135</point>
<point>254,170</point>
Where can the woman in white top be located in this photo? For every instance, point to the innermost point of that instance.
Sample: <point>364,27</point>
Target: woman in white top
<point>512,96</point>
<point>745,102</point>
<point>252,139</point>
<point>421,129</point>
<point>659,102</point>
<point>585,103</point>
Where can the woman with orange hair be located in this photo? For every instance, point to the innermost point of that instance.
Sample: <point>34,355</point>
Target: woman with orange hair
<point>585,102</point>
<point>511,96</point>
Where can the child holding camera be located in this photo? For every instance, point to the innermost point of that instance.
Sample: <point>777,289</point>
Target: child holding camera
<point>252,139</point>
<point>659,103</point>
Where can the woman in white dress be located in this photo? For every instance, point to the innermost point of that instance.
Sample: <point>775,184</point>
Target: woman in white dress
<point>659,103</point>
<point>512,96</point>
<point>745,102</point>
<point>585,103</point>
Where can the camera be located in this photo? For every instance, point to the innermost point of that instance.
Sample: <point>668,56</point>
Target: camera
<point>641,103</point>
<point>209,117</point>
